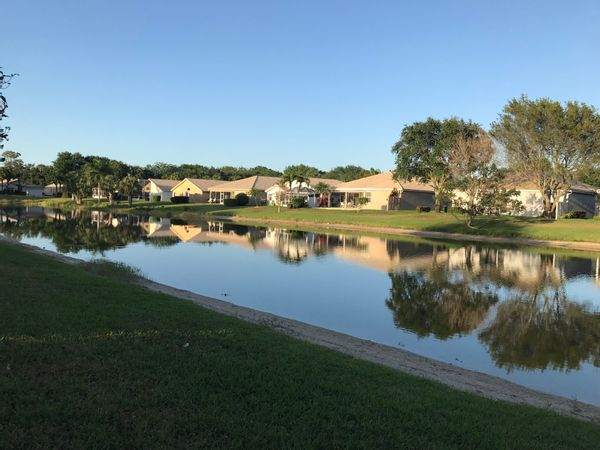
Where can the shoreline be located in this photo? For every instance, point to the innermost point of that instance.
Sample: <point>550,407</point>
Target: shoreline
<point>484,385</point>
<point>569,245</point>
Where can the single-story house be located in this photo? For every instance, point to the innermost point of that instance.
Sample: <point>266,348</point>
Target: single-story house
<point>581,197</point>
<point>229,189</point>
<point>32,190</point>
<point>195,188</point>
<point>383,192</point>
<point>52,190</point>
<point>156,186</point>
<point>276,193</point>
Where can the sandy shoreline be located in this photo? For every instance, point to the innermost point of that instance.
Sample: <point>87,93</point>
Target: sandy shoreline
<point>456,377</point>
<point>571,245</point>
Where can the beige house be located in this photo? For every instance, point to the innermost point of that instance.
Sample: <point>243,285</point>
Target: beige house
<point>581,197</point>
<point>155,186</point>
<point>229,189</point>
<point>384,193</point>
<point>277,193</point>
<point>195,188</point>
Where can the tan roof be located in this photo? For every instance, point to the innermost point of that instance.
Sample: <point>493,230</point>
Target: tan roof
<point>383,181</point>
<point>164,185</point>
<point>202,184</point>
<point>329,181</point>
<point>521,183</point>
<point>245,184</point>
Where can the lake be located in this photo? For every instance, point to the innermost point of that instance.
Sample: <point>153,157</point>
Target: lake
<point>528,315</point>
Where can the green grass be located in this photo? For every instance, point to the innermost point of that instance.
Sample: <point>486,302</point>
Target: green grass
<point>90,361</point>
<point>523,227</point>
<point>534,228</point>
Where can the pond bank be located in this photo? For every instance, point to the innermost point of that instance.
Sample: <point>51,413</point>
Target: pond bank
<point>448,374</point>
<point>570,245</point>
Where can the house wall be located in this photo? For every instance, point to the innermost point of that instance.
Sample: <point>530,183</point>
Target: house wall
<point>34,191</point>
<point>533,202</point>
<point>155,190</point>
<point>192,191</point>
<point>409,200</point>
<point>576,201</point>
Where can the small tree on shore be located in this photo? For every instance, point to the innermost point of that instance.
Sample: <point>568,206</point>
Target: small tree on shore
<point>323,189</point>
<point>478,180</point>
<point>256,194</point>
<point>130,187</point>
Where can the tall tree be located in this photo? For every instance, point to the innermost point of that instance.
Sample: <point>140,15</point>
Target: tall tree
<point>130,186</point>
<point>5,80</point>
<point>350,172</point>
<point>478,181</point>
<point>423,152</point>
<point>548,142</point>
<point>68,169</point>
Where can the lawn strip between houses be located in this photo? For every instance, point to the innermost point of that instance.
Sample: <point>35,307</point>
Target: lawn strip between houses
<point>90,359</point>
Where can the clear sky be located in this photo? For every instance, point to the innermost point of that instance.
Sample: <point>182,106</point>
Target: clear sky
<point>324,83</point>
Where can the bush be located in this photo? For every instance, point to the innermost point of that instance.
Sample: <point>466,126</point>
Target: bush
<point>423,209</point>
<point>575,215</point>
<point>180,199</point>
<point>297,202</point>
<point>230,202</point>
<point>155,198</point>
<point>242,199</point>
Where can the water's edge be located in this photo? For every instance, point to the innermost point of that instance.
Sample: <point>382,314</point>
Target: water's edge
<point>438,235</point>
<point>448,374</point>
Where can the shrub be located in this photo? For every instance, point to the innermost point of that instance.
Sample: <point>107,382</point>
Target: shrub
<point>230,202</point>
<point>423,209</point>
<point>575,215</point>
<point>180,199</point>
<point>242,199</point>
<point>297,202</point>
<point>155,198</point>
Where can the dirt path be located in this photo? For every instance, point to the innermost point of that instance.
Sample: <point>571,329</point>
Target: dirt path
<point>572,245</point>
<point>456,377</point>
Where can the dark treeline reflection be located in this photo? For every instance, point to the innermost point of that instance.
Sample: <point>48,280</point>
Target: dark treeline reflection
<point>514,300</point>
<point>534,326</point>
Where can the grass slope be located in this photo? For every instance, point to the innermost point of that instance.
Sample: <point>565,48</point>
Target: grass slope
<point>565,230</point>
<point>90,361</point>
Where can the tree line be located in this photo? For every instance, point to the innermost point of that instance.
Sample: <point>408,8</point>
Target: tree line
<point>79,174</point>
<point>549,143</point>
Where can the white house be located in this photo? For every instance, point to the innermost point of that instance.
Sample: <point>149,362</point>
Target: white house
<point>275,192</point>
<point>159,187</point>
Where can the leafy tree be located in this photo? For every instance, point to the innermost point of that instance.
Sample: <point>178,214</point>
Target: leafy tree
<point>256,194</point>
<point>423,152</point>
<point>302,170</point>
<point>5,80</point>
<point>479,182</point>
<point>350,172</point>
<point>548,142</point>
<point>68,168</point>
<point>12,168</point>
<point>130,186</point>
<point>323,189</point>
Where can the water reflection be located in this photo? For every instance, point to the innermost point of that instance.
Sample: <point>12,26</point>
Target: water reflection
<point>515,303</point>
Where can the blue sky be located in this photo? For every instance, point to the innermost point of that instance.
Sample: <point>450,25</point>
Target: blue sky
<point>324,83</point>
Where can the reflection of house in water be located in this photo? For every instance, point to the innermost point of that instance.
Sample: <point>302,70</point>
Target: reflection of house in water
<point>156,228</point>
<point>207,232</point>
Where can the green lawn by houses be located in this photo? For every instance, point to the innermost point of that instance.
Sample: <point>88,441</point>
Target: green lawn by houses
<point>89,360</point>
<point>533,228</point>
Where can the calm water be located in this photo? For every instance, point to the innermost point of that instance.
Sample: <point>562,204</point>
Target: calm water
<point>529,316</point>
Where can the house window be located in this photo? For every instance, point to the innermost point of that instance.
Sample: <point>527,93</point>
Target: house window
<point>367,195</point>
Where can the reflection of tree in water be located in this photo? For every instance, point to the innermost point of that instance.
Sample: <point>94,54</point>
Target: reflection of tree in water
<point>543,329</point>
<point>76,233</point>
<point>291,246</point>
<point>433,303</point>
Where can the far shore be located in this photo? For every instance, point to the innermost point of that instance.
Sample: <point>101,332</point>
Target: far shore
<point>572,234</point>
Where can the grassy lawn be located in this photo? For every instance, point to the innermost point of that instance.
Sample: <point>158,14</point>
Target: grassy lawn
<point>89,360</point>
<point>534,228</point>
<point>570,230</point>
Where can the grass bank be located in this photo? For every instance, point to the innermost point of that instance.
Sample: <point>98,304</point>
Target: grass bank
<point>90,360</point>
<point>504,226</point>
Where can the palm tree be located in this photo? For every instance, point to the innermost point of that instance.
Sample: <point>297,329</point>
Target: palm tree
<point>283,187</point>
<point>323,189</point>
<point>256,194</point>
<point>129,186</point>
